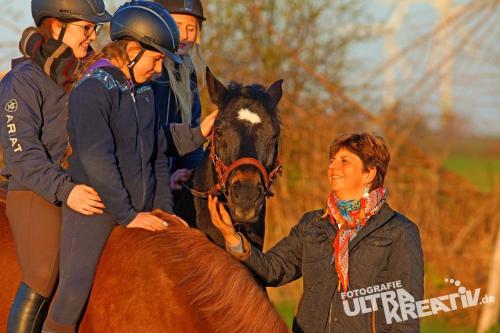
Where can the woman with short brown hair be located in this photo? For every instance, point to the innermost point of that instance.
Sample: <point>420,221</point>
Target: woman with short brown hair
<point>355,242</point>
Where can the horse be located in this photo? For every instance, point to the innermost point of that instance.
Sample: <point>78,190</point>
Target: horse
<point>179,280</point>
<point>172,281</point>
<point>241,162</point>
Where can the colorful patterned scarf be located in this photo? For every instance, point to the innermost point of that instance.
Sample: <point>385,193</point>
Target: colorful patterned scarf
<point>352,215</point>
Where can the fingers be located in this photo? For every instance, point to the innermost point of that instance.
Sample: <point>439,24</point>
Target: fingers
<point>214,114</point>
<point>89,210</point>
<point>226,218</point>
<point>220,217</point>
<point>89,190</point>
<point>156,223</point>
<point>157,226</point>
<point>213,211</point>
<point>207,123</point>
<point>91,193</point>
<point>178,178</point>
<point>184,178</point>
<point>146,227</point>
<point>149,222</point>
<point>90,207</point>
<point>95,204</point>
<point>84,211</point>
<point>91,196</point>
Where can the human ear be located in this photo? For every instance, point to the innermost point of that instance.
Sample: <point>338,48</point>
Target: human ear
<point>132,49</point>
<point>370,175</point>
<point>55,27</point>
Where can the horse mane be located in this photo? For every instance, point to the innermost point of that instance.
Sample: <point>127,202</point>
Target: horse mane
<point>216,284</point>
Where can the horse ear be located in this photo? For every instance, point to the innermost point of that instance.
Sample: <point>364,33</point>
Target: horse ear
<point>216,89</point>
<point>276,91</point>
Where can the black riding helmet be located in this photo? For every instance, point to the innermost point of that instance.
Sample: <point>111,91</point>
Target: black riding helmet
<point>188,7</point>
<point>66,10</point>
<point>148,23</point>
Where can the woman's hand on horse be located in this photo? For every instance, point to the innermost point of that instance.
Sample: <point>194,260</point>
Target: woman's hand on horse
<point>178,178</point>
<point>222,221</point>
<point>147,221</point>
<point>85,200</point>
<point>207,123</point>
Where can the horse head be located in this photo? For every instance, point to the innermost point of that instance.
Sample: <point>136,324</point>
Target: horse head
<point>243,157</point>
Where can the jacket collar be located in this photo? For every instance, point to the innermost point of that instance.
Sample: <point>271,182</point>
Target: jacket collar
<point>376,221</point>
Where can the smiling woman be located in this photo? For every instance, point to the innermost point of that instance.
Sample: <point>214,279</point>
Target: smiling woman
<point>355,241</point>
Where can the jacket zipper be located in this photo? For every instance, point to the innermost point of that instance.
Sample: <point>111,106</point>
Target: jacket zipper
<point>141,146</point>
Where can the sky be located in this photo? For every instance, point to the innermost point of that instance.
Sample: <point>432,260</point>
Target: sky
<point>475,75</point>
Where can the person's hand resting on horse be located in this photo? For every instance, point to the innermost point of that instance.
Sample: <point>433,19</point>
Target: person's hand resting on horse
<point>85,200</point>
<point>207,124</point>
<point>222,221</point>
<point>148,221</point>
<point>178,178</point>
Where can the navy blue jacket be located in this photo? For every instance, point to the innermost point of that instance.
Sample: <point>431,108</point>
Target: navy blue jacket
<point>170,113</point>
<point>119,147</point>
<point>33,132</point>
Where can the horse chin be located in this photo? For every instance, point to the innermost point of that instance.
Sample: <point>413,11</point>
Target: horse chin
<point>245,221</point>
<point>240,216</point>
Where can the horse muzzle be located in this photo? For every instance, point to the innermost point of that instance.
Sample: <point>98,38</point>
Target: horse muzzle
<point>246,195</point>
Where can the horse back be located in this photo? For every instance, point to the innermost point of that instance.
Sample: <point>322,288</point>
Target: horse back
<point>11,273</point>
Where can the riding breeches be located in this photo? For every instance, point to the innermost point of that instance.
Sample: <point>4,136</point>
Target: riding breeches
<point>36,226</point>
<point>82,241</point>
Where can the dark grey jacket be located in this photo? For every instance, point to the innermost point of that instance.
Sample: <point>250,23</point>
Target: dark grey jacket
<point>169,113</point>
<point>386,250</point>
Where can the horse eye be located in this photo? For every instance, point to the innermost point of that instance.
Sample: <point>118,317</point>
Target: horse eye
<point>218,132</point>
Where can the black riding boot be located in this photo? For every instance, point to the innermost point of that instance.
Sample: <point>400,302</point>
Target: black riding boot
<point>27,312</point>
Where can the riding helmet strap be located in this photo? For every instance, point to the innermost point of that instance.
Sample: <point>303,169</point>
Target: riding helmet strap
<point>133,62</point>
<point>63,32</point>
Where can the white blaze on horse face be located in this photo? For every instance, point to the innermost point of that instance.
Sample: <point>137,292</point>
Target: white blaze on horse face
<point>247,115</point>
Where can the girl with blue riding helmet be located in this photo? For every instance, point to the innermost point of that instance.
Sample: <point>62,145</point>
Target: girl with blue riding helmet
<point>177,89</point>
<point>33,96</point>
<point>119,148</point>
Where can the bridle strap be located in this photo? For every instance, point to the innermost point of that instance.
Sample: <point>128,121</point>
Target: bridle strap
<point>223,172</point>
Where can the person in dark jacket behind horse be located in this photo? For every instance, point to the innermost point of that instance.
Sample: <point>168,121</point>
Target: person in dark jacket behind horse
<point>33,96</point>
<point>354,245</point>
<point>118,148</point>
<point>176,91</point>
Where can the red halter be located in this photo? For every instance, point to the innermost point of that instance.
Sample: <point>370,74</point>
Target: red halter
<point>223,171</point>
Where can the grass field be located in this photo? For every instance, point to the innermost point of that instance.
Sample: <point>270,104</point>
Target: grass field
<point>482,171</point>
<point>477,160</point>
